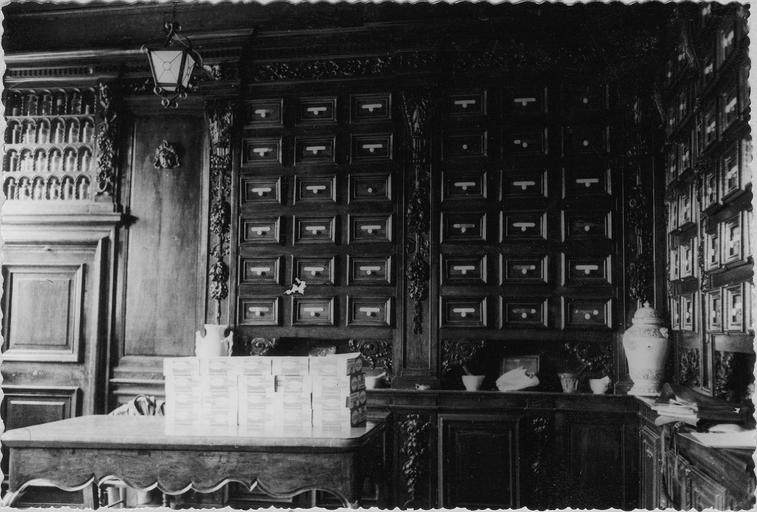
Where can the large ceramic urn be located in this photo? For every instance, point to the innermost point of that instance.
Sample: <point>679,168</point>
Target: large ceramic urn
<point>646,345</point>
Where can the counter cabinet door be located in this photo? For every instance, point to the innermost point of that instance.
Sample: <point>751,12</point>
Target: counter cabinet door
<point>478,463</point>
<point>650,459</point>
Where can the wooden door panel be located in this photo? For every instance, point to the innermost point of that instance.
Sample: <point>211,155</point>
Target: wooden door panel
<point>478,461</point>
<point>164,261</point>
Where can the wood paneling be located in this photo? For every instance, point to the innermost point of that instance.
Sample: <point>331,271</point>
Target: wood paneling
<point>43,312</point>
<point>30,405</point>
<point>165,262</point>
<point>478,461</point>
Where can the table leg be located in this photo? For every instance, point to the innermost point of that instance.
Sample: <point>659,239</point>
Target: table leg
<point>10,497</point>
<point>91,496</point>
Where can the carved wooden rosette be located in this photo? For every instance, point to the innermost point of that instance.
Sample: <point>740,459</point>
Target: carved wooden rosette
<point>377,353</point>
<point>220,121</point>
<point>414,433</point>
<point>107,147</point>
<point>416,109</point>
<point>457,353</point>
<point>259,346</point>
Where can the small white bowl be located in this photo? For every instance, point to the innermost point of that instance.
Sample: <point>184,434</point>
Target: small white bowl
<point>472,382</point>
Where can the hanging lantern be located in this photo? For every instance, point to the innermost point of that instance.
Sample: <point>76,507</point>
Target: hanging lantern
<point>172,65</point>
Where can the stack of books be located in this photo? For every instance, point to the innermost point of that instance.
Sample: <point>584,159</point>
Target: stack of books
<point>282,396</point>
<point>679,403</point>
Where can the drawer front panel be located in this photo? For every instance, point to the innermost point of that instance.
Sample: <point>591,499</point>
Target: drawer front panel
<point>734,308</point>
<point>463,312</point>
<point>370,107</point>
<point>316,110</point>
<point>463,270</point>
<point>463,227</point>
<point>585,98</point>
<point>260,271</point>
<point>586,271</point>
<point>312,311</point>
<point>369,271</point>
<point>527,225</point>
<point>526,100</point>
<point>314,230</point>
<point>314,270</point>
<point>370,228</point>
<point>586,181</point>
<point>520,270</point>
<point>371,147</point>
<point>369,311</point>
<point>532,183</point>
<point>261,151</point>
<point>370,187</point>
<point>524,313</point>
<point>259,311</point>
<point>586,140</point>
<point>262,230</point>
<point>464,185</point>
<point>315,189</point>
<point>261,190</point>
<point>461,145</point>
<point>732,237</point>
<point>263,112</point>
<point>467,104</point>
<point>314,150</point>
<point>531,142</point>
<point>586,225</point>
<point>586,313</point>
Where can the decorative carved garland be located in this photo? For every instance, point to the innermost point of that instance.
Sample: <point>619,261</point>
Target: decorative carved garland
<point>416,106</point>
<point>377,353</point>
<point>456,353</point>
<point>220,121</point>
<point>639,270</point>
<point>538,439</point>
<point>688,367</point>
<point>416,429</point>
<point>725,363</point>
<point>107,135</point>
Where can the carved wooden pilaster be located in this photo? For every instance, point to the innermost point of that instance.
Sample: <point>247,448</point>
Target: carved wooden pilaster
<point>638,218</point>
<point>106,141</point>
<point>220,121</point>
<point>414,433</point>
<point>457,353</point>
<point>538,460</point>
<point>725,364</point>
<point>416,107</point>
<point>377,353</point>
<point>688,367</point>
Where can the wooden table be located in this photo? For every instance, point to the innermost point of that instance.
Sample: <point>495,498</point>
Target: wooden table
<point>85,452</point>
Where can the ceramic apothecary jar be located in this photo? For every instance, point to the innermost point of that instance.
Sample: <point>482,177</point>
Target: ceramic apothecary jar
<point>214,343</point>
<point>646,345</point>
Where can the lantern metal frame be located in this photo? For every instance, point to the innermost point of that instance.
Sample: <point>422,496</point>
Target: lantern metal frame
<point>177,47</point>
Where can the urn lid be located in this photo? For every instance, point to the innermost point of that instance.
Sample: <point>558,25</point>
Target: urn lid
<point>646,315</point>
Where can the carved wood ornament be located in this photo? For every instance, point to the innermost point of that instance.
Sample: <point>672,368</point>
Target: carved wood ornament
<point>377,353</point>
<point>166,156</point>
<point>107,135</point>
<point>416,109</point>
<point>220,121</point>
<point>457,353</point>
<point>414,452</point>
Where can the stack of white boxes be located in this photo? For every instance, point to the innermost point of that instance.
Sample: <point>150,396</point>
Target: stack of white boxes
<point>256,387</point>
<point>283,396</point>
<point>339,398</point>
<point>291,406</point>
